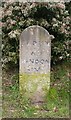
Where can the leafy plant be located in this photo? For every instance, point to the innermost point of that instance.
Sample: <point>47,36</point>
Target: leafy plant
<point>54,17</point>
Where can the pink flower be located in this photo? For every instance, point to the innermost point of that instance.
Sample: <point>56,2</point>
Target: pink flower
<point>13,22</point>
<point>60,5</point>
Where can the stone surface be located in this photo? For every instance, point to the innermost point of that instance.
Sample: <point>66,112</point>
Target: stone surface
<point>35,50</point>
<point>35,57</point>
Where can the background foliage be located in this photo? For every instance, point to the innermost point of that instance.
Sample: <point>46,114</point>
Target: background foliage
<point>54,17</point>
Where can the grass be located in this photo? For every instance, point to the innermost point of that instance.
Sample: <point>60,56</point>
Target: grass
<point>57,99</point>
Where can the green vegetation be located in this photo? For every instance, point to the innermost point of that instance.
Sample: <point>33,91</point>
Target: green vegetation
<point>55,18</point>
<point>57,99</point>
<point>29,83</point>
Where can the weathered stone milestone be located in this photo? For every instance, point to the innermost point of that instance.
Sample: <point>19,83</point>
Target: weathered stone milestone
<point>35,56</point>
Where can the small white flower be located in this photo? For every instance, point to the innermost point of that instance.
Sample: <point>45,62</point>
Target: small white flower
<point>17,32</point>
<point>54,19</point>
<point>10,8</point>
<point>68,18</point>
<point>12,34</point>
<point>33,5</point>
<point>9,12</point>
<point>21,23</point>
<point>68,27</point>
<point>67,22</point>
<point>66,12</point>
<point>17,8</point>
<point>58,16</point>
<point>61,5</point>
<point>60,57</point>
<point>13,22</point>
<point>64,24</point>
<point>55,25</point>
<point>67,55</point>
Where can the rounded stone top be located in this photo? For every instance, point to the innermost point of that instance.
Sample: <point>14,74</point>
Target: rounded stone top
<point>35,27</point>
<point>35,31</point>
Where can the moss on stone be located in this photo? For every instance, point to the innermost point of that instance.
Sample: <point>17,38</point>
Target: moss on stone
<point>29,83</point>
